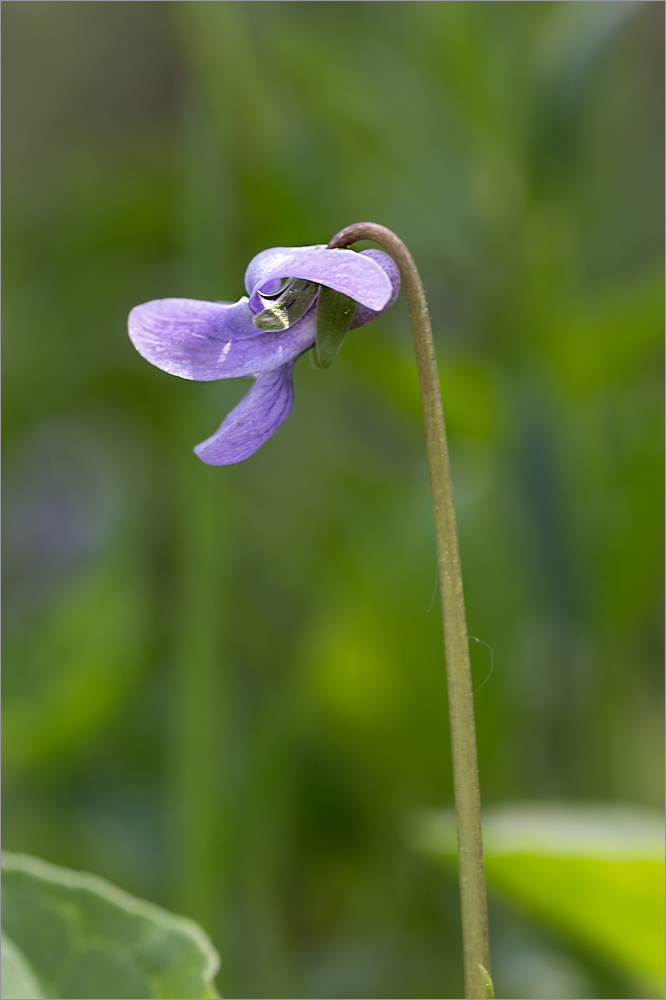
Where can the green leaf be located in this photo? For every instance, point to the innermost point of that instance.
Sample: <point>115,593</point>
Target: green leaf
<point>78,936</point>
<point>335,313</point>
<point>487,982</point>
<point>18,980</point>
<point>594,872</point>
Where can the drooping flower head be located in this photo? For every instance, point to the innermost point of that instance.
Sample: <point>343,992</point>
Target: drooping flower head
<point>296,296</point>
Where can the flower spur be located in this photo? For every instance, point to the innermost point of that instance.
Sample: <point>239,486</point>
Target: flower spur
<point>264,333</point>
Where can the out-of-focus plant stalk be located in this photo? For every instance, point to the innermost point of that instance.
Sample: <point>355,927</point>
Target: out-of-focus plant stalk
<point>459,678</point>
<point>198,725</point>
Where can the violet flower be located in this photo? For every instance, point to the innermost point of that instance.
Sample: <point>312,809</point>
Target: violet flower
<point>262,335</point>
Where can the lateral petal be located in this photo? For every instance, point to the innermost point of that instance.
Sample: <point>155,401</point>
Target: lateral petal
<point>212,340</point>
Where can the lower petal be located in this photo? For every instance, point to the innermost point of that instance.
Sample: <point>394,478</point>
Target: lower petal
<point>258,415</point>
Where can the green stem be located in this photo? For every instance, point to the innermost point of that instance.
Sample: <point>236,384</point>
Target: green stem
<point>459,678</point>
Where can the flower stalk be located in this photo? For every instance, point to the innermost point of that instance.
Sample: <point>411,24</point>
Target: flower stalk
<point>458,671</point>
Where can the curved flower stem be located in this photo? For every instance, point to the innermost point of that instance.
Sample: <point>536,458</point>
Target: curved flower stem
<point>459,679</point>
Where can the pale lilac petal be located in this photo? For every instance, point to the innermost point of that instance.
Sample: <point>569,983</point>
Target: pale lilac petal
<point>212,340</point>
<point>357,275</point>
<point>364,315</point>
<point>258,415</point>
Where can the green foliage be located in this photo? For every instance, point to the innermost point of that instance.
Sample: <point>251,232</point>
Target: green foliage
<point>76,935</point>
<point>490,989</point>
<point>595,873</point>
<point>77,665</point>
<point>18,980</point>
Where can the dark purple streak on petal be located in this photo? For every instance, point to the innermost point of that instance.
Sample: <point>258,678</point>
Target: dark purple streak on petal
<point>258,415</point>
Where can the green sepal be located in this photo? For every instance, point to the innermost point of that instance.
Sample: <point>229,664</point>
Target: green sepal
<point>314,360</point>
<point>287,307</point>
<point>335,313</point>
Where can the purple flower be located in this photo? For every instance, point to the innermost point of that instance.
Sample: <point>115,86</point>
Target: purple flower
<point>261,335</point>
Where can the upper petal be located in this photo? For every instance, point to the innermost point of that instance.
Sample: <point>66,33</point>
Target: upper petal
<point>354,274</point>
<point>364,315</point>
<point>211,340</point>
<point>258,415</point>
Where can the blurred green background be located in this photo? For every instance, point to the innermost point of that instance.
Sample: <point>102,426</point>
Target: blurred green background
<point>224,687</point>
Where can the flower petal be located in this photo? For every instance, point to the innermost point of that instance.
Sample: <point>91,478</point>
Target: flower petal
<point>357,275</point>
<point>365,315</point>
<point>258,415</point>
<point>212,340</point>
